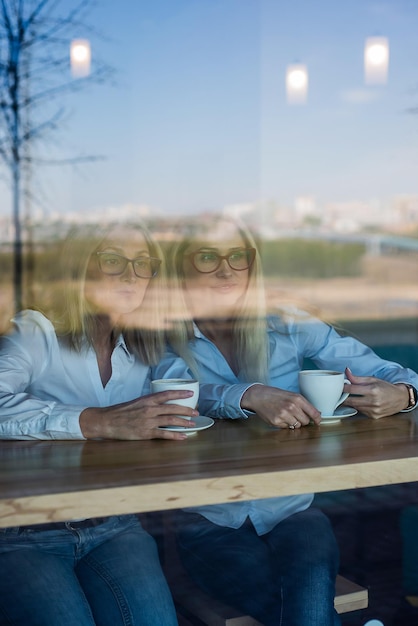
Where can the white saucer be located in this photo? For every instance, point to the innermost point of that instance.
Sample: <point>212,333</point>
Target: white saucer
<point>340,413</point>
<point>201,423</point>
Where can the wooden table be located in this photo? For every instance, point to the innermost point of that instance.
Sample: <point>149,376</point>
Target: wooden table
<point>234,460</point>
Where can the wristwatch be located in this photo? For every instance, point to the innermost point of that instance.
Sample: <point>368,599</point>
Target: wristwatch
<point>413,396</point>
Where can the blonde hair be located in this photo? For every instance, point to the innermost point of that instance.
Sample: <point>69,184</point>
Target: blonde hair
<point>73,318</point>
<point>250,326</point>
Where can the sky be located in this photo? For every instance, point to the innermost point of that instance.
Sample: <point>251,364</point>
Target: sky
<point>196,117</point>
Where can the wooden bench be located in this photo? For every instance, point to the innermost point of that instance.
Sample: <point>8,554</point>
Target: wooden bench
<point>349,596</point>
<point>191,601</point>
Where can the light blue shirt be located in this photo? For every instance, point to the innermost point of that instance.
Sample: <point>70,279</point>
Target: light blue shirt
<point>291,338</point>
<point>45,385</point>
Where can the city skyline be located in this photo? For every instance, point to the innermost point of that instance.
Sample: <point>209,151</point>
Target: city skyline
<point>351,220</point>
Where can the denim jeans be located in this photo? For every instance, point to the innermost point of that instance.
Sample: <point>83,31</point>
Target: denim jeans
<point>283,578</point>
<point>106,575</point>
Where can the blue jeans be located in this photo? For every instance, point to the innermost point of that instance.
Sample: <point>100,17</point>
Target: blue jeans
<point>107,575</point>
<point>283,578</point>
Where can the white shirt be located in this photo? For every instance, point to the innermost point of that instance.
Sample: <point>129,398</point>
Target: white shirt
<point>45,385</point>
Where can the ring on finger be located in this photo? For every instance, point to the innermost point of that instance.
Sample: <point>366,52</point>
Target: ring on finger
<point>293,426</point>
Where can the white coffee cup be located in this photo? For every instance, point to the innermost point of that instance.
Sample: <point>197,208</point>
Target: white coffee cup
<point>178,384</point>
<point>323,389</point>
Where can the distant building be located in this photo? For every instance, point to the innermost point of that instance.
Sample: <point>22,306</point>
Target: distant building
<point>354,215</point>
<point>405,211</point>
<point>305,207</point>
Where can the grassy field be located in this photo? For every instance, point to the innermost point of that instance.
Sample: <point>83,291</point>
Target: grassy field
<point>386,289</point>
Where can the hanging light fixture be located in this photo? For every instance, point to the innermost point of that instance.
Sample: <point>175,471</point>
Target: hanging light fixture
<point>376,60</point>
<point>80,57</point>
<point>296,83</point>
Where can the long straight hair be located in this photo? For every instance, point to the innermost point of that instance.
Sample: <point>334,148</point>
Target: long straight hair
<point>73,318</point>
<point>250,325</point>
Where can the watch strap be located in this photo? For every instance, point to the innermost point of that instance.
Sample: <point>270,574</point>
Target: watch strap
<point>413,396</point>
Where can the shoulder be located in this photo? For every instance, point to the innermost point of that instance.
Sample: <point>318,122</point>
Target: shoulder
<point>32,321</point>
<point>32,330</point>
<point>32,335</point>
<point>287,318</point>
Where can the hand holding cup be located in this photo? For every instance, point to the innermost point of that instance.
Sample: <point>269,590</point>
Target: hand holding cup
<point>178,384</point>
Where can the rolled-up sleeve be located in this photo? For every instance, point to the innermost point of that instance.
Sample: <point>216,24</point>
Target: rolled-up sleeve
<point>223,401</point>
<point>24,415</point>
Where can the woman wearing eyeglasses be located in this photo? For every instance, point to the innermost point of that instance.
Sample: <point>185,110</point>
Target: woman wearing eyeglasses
<point>84,372</point>
<point>275,559</point>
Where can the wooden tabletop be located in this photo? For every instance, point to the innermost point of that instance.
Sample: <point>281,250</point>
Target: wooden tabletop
<point>233,460</point>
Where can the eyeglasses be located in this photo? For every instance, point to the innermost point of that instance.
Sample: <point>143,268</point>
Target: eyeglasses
<point>113,264</point>
<point>207,261</point>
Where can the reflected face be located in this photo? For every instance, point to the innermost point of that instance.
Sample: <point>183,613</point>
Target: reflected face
<point>215,293</point>
<point>121,293</point>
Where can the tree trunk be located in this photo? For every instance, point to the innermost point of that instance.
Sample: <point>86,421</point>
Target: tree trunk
<point>17,247</point>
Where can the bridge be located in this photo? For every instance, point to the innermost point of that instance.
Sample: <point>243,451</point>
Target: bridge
<point>374,243</point>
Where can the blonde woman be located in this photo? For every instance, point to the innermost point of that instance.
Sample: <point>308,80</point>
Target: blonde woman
<point>84,372</point>
<point>275,559</point>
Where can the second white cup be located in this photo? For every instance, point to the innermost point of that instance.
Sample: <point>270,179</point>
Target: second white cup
<point>178,384</point>
<point>323,389</point>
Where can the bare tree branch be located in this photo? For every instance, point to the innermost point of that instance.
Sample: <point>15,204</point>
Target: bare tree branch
<point>35,39</point>
<point>71,161</point>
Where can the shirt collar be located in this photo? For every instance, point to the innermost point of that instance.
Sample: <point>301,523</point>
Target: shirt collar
<point>196,331</point>
<point>270,328</point>
<point>120,342</point>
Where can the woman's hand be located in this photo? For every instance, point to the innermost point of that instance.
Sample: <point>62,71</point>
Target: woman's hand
<point>283,409</point>
<point>138,419</point>
<point>374,397</point>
